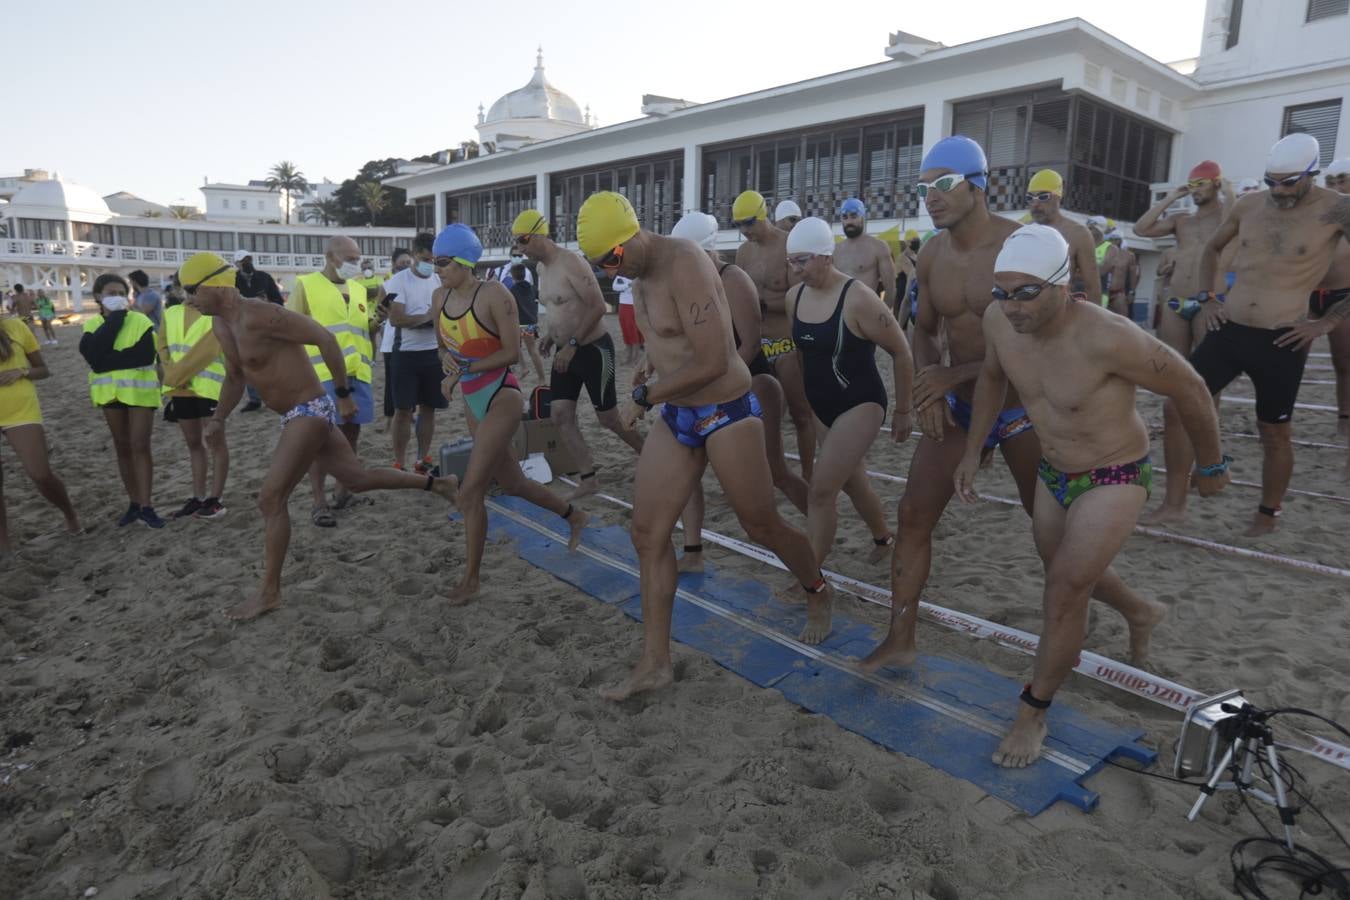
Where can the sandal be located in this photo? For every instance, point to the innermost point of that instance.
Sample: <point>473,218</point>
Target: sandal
<point>323,518</point>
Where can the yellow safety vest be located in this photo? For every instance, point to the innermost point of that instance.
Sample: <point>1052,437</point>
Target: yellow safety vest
<point>134,387</point>
<point>208,381</point>
<point>347,321</point>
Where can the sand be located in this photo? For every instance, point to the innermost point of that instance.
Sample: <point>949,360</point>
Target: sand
<point>368,741</point>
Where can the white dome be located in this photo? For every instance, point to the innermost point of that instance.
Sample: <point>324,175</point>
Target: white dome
<point>536,100</point>
<point>64,196</point>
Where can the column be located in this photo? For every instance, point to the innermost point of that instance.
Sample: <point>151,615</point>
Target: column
<point>936,122</point>
<point>693,179</point>
<point>438,205</point>
<point>543,199</point>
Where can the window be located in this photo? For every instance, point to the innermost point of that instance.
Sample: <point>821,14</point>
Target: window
<point>1325,9</point>
<point>145,237</point>
<point>266,243</point>
<point>224,202</point>
<point>375,246</point>
<point>424,214</point>
<point>93,234</point>
<point>42,230</point>
<point>1234,24</point>
<point>653,184</point>
<point>243,204</point>
<point>309,243</point>
<point>489,211</point>
<point>874,159</point>
<point>215,241</point>
<point>1321,120</point>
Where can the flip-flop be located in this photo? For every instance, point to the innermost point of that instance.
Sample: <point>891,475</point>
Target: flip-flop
<point>350,500</point>
<point>323,518</point>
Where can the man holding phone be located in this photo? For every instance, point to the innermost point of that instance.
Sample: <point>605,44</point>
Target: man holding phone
<point>415,367</point>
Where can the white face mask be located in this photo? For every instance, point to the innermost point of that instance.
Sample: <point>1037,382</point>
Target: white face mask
<point>368,273</point>
<point>517,260</point>
<point>115,303</point>
<point>347,269</point>
<point>425,269</point>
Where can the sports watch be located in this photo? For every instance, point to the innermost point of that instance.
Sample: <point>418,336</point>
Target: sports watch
<point>640,396</point>
<point>342,392</point>
<point>1217,469</point>
<point>573,342</point>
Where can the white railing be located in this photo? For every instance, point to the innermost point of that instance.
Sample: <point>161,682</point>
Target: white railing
<point>116,256</point>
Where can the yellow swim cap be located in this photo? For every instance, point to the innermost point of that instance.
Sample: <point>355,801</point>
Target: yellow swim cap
<point>206,270</point>
<point>604,222</point>
<point>531,221</point>
<point>1047,180</point>
<point>910,235</point>
<point>749,205</point>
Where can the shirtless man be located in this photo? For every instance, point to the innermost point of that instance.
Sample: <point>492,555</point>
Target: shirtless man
<point>1076,368</point>
<point>861,256</point>
<point>1179,327</point>
<point>763,257</point>
<point>1045,192</point>
<point>264,345</point>
<point>1109,265</point>
<point>575,326</point>
<point>1334,288</point>
<point>956,269</point>
<point>1288,237</point>
<point>708,415</point>
<point>786,214</point>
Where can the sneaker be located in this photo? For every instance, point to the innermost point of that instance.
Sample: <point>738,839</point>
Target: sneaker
<point>150,518</point>
<point>211,508</point>
<point>189,508</point>
<point>251,406</point>
<point>424,467</point>
<point>397,465</point>
<point>133,514</point>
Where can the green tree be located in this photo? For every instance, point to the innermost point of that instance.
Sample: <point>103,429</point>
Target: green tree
<point>325,212</point>
<point>182,212</point>
<point>373,197</point>
<point>288,179</point>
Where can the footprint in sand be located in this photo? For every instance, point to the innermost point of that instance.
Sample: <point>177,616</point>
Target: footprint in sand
<point>287,762</point>
<point>168,785</point>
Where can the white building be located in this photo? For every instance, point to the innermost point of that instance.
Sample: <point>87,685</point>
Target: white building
<point>1117,124</point>
<point>61,236</point>
<point>253,202</point>
<point>536,112</point>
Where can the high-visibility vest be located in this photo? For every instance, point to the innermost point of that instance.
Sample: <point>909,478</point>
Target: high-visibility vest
<point>348,321</point>
<point>208,381</point>
<point>134,387</point>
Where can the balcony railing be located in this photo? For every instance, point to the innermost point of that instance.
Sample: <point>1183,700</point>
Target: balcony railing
<point>883,199</point>
<point>76,252</point>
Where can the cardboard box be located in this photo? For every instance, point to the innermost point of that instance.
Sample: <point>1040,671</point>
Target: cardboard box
<point>541,436</point>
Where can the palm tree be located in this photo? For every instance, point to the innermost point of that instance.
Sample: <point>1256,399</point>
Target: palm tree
<point>328,211</point>
<point>285,177</point>
<point>182,212</point>
<point>373,196</point>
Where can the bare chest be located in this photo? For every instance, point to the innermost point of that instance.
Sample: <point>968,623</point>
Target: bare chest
<point>766,266</point>
<point>856,259</point>
<point>1278,247</point>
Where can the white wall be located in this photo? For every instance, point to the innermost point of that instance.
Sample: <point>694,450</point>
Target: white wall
<point>1273,37</point>
<point>244,206</point>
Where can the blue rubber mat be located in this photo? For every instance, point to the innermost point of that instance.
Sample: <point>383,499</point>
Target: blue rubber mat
<point>949,713</point>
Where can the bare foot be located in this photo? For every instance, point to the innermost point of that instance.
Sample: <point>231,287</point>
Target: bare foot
<point>690,562</point>
<point>1164,515</point>
<point>577,520</point>
<point>1141,632</point>
<point>463,593</point>
<point>260,604</point>
<point>1261,524</point>
<point>1022,744</point>
<point>73,526</point>
<point>899,650</point>
<point>881,551</point>
<point>645,677</point>
<point>585,487</point>
<point>818,609</point>
<point>447,487</point>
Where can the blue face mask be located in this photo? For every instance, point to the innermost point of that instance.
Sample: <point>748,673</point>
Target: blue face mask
<point>425,269</point>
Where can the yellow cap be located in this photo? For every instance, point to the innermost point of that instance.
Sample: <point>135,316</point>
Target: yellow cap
<point>1047,180</point>
<point>206,270</point>
<point>749,205</point>
<point>604,222</point>
<point>531,221</point>
<point>910,235</point>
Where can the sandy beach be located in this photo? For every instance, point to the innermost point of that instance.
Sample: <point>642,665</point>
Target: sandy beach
<point>367,741</point>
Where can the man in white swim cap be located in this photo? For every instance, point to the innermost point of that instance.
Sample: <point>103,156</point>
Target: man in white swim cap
<point>1076,367</point>
<point>1334,288</point>
<point>1289,235</point>
<point>786,214</point>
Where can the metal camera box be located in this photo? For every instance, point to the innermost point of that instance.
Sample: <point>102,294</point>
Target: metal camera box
<point>1199,744</point>
<point>455,457</point>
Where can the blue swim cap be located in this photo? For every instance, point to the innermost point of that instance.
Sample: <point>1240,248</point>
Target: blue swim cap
<point>458,242</point>
<point>852,205</point>
<point>961,155</point>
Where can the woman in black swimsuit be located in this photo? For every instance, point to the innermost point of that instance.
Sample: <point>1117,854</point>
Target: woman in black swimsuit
<point>837,324</point>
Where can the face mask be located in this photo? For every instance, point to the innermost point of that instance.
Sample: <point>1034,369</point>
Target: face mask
<point>425,269</point>
<point>115,303</point>
<point>517,260</point>
<point>369,273</point>
<point>348,269</point>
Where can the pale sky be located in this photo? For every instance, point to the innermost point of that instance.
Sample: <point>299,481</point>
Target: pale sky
<point>149,96</point>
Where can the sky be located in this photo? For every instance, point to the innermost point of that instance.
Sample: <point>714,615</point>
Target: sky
<point>151,97</point>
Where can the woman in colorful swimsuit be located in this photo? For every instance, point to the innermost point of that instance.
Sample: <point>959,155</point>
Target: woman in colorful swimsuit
<point>471,315</point>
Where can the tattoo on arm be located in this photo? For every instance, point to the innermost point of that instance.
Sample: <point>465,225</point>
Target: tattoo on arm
<point>1159,360</point>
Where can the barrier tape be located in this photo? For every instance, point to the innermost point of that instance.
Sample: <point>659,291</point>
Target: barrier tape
<point>1256,437</point>
<point>1251,401</point>
<point>1251,484</point>
<point>1099,668</point>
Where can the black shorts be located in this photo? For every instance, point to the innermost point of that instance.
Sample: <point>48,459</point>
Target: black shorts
<point>417,376</point>
<point>1275,372</point>
<point>592,366</point>
<point>1321,301</point>
<point>389,385</point>
<point>182,409</point>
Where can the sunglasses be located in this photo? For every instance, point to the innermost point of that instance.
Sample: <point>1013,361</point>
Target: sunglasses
<point>520,240</point>
<point>744,223</point>
<point>1040,197</point>
<point>1025,293</point>
<point>1292,179</point>
<point>191,289</point>
<point>1198,182</point>
<point>800,260</point>
<point>445,262</point>
<point>612,260</point>
<point>793,220</point>
<point>943,183</point>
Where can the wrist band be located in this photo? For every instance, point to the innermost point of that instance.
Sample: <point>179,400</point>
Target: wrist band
<point>1031,700</point>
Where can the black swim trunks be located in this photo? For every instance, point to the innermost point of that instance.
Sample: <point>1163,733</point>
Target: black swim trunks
<point>592,367</point>
<point>180,409</point>
<point>1320,301</point>
<point>1275,372</point>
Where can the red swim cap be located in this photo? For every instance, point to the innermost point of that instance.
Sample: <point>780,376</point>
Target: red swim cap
<point>1206,169</point>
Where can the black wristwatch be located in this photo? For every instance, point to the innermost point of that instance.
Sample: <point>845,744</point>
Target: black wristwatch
<point>573,342</point>
<point>342,392</point>
<point>640,396</point>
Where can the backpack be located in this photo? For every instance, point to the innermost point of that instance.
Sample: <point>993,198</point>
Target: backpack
<point>541,399</point>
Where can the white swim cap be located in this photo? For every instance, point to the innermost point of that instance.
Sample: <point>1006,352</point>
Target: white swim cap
<point>1292,154</point>
<point>1247,185</point>
<point>1098,222</point>
<point>811,236</point>
<point>698,227</point>
<point>1339,167</point>
<point>1036,250</point>
<point>785,209</point>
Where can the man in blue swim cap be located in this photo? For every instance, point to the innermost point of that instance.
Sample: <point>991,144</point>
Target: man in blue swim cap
<point>955,275</point>
<point>861,256</point>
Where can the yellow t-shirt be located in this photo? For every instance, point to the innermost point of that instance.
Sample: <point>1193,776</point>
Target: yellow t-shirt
<point>19,401</point>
